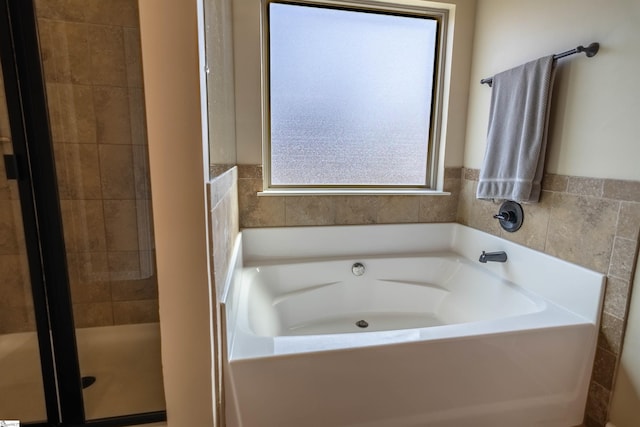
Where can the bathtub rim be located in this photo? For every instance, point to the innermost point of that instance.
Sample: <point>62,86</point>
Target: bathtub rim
<point>239,340</point>
<point>261,245</point>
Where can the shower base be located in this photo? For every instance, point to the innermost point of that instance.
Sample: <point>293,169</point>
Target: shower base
<point>125,360</point>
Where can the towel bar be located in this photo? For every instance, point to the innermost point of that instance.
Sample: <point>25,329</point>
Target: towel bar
<point>590,51</point>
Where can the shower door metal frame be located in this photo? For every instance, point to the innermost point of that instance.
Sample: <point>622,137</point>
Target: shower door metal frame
<point>44,240</point>
<point>31,138</point>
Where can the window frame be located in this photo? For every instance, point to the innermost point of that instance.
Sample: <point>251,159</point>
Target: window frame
<point>411,8</point>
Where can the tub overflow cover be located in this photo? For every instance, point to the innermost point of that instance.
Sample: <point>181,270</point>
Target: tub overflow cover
<point>357,269</point>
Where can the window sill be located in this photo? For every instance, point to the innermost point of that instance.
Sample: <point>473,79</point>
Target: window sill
<point>352,192</point>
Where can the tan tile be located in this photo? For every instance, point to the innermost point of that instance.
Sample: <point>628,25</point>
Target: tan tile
<point>585,186</point>
<point>452,185</point>
<point>398,209</point>
<point>250,171</point>
<point>133,57</point>
<point>467,194</point>
<point>71,113</point>
<point>121,225</point>
<point>454,173</point>
<point>112,12</point>
<point>611,333</point>
<point>90,293</point>
<point>16,319</point>
<point>581,230</point>
<point>108,63</point>
<point>92,314</point>
<point>220,185</point>
<point>218,169</point>
<point>83,225</point>
<point>590,422</point>
<point>112,116</point>
<point>622,190</point>
<point>471,174</point>
<point>55,114</point>
<point>533,232</point>
<point>144,217</point>
<point>128,312</point>
<point>604,368</point>
<point>47,49</point>
<point>552,182</point>
<point>92,267</point>
<point>309,210</point>
<point>71,10</point>
<point>124,266</point>
<point>629,221</point>
<point>13,281</point>
<point>8,188</point>
<point>356,209</point>
<point>623,258</point>
<point>5,192</point>
<point>78,174</point>
<point>141,172</point>
<point>117,171</point>
<point>477,213</point>
<point>137,116</point>
<point>133,290</point>
<point>598,403</point>
<point>616,297</point>
<point>438,208</point>
<point>69,53</point>
<point>5,130</point>
<point>257,211</point>
<point>225,230</point>
<point>9,229</point>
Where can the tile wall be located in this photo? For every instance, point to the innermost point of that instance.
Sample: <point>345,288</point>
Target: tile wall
<point>591,222</point>
<point>92,66</point>
<point>16,304</point>
<point>222,205</point>
<point>272,211</point>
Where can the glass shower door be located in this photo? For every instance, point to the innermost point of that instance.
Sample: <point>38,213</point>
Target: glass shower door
<point>21,385</point>
<point>91,62</point>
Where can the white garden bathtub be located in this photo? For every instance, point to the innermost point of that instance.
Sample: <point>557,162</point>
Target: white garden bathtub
<point>426,336</point>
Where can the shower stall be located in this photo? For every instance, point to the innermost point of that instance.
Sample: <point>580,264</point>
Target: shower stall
<point>79,326</point>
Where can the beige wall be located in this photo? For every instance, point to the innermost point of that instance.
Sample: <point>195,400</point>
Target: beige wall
<point>179,164</point>
<point>626,395</point>
<point>594,126</point>
<point>246,15</point>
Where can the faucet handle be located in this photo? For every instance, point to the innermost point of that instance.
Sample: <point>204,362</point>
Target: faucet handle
<point>507,216</point>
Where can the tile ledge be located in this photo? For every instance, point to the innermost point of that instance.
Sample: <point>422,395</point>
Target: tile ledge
<point>353,192</point>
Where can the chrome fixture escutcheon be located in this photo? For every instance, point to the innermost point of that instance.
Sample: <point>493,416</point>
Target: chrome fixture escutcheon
<point>510,216</point>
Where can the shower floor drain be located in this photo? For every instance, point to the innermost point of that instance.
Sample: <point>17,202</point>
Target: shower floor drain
<point>362,324</point>
<point>88,381</point>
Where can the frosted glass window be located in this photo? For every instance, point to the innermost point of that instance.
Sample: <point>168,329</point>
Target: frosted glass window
<point>350,96</point>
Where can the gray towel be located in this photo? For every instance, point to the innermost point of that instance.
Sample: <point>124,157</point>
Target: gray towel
<point>516,140</point>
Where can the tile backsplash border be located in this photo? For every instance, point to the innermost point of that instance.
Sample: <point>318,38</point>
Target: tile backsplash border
<point>285,211</point>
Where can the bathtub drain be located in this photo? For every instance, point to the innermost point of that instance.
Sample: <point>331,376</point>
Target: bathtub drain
<point>362,324</point>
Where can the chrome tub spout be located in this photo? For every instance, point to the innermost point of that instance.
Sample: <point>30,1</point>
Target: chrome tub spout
<point>493,257</point>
